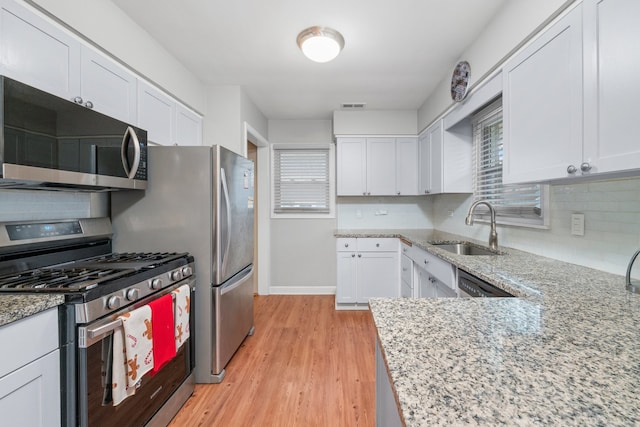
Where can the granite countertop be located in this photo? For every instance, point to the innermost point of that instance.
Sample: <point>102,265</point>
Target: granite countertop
<point>15,307</point>
<point>565,352</point>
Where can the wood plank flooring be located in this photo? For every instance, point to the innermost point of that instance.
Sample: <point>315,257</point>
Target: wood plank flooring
<point>306,365</point>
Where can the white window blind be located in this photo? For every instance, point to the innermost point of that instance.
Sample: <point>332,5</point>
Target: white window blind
<point>301,182</point>
<point>514,204</point>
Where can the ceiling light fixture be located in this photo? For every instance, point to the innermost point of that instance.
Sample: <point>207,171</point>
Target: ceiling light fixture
<point>320,44</point>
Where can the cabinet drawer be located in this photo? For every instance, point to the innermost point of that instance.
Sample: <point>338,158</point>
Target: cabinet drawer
<point>406,271</point>
<point>29,338</point>
<point>437,267</point>
<point>378,245</point>
<point>344,244</point>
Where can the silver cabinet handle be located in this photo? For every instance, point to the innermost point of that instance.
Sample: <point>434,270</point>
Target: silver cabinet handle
<point>78,100</point>
<point>364,193</point>
<point>353,255</point>
<point>571,169</point>
<point>377,245</point>
<point>585,167</point>
<point>398,193</point>
<point>88,104</point>
<point>426,261</point>
<point>346,245</point>
<point>359,255</point>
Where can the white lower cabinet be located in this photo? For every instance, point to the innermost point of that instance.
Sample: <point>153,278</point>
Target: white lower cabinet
<point>30,372</point>
<point>387,414</point>
<point>434,277</point>
<point>366,268</point>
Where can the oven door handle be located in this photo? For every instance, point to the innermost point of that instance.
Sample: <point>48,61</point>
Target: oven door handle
<point>99,331</point>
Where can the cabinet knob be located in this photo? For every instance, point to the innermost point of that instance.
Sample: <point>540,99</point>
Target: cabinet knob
<point>426,261</point>
<point>404,268</point>
<point>364,193</point>
<point>404,249</point>
<point>585,167</point>
<point>369,193</point>
<point>346,245</point>
<point>353,255</point>
<point>77,100</point>
<point>398,193</point>
<point>377,245</point>
<point>359,255</point>
<point>571,169</point>
<point>88,104</point>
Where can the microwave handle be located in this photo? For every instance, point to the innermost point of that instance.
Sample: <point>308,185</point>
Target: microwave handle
<point>130,134</point>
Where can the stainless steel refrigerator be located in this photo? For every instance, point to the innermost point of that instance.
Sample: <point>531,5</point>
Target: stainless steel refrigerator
<point>199,200</point>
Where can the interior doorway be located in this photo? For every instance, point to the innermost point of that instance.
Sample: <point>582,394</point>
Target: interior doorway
<point>252,154</point>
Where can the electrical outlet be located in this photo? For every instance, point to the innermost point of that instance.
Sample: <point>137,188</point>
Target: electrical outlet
<point>577,224</point>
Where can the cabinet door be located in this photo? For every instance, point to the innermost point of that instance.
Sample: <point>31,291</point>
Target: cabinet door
<point>437,159</point>
<point>347,278</point>
<point>426,286</point>
<point>611,83</point>
<point>37,53</point>
<point>30,396</point>
<point>381,166</point>
<point>352,167</point>
<point>378,275</point>
<point>110,88</point>
<point>156,114</point>
<point>542,104</point>
<point>424,155</point>
<point>406,166</point>
<point>188,127</point>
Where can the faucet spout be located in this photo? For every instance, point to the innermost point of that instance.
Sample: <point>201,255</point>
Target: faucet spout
<point>493,234</point>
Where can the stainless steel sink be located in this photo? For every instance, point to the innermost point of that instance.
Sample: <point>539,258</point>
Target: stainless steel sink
<point>466,248</point>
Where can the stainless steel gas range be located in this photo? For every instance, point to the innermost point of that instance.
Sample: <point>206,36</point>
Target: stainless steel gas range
<point>74,258</point>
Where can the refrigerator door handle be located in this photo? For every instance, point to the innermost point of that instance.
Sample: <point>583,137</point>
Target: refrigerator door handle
<point>227,203</point>
<point>242,277</point>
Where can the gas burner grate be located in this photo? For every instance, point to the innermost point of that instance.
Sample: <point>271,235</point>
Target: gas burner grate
<point>61,279</point>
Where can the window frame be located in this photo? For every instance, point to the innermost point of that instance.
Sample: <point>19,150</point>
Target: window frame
<point>311,214</point>
<point>504,214</point>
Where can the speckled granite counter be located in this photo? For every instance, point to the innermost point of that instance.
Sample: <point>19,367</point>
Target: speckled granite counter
<point>567,352</point>
<point>16,307</point>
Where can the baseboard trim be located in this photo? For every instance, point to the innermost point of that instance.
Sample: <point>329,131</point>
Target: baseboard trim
<point>302,290</point>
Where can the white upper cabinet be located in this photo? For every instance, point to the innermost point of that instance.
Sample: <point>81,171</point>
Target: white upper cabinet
<point>612,89</point>
<point>166,121</point>
<point>445,159</point>
<point>188,126</point>
<point>381,166</point>
<point>406,166</point>
<point>37,53</point>
<point>542,105</point>
<point>107,87</point>
<point>377,166</point>
<point>156,112</point>
<point>352,166</point>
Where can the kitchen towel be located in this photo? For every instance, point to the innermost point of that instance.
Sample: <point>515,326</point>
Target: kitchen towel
<point>138,343</point>
<point>164,345</point>
<point>181,309</point>
<point>120,389</point>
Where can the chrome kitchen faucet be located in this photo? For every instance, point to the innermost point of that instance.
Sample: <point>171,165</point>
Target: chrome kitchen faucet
<point>493,234</point>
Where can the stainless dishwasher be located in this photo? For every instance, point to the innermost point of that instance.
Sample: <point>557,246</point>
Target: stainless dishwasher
<point>471,286</point>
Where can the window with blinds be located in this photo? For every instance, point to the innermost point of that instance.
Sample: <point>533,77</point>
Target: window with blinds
<point>514,204</point>
<point>301,180</point>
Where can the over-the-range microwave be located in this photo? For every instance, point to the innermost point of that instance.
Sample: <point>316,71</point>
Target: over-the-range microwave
<point>49,142</point>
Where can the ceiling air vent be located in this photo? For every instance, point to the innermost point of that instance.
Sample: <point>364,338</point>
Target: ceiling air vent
<point>353,106</point>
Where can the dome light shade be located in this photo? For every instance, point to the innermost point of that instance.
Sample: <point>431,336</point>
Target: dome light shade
<point>320,44</point>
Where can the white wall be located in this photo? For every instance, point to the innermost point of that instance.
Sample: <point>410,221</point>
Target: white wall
<point>612,224</point>
<point>107,26</point>
<point>303,257</point>
<point>513,24</point>
<point>375,122</point>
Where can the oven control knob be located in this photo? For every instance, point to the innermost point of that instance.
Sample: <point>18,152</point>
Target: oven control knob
<point>155,284</point>
<point>176,275</point>
<point>113,302</point>
<point>132,294</point>
<point>187,271</point>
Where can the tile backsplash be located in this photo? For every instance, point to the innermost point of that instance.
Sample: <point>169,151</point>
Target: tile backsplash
<point>611,215</point>
<point>27,205</point>
<point>384,212</point>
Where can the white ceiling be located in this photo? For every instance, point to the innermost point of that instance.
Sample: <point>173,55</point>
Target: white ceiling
<point>395,52</point>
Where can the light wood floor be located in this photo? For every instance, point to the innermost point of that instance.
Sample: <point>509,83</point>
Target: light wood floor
<point>306,365</point>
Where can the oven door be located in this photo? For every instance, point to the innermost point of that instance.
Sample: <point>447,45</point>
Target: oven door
<point>95,406</point>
